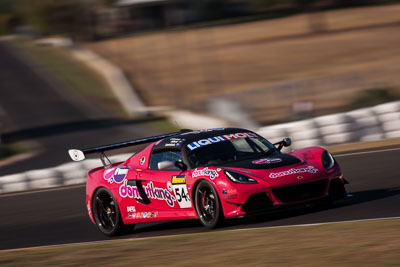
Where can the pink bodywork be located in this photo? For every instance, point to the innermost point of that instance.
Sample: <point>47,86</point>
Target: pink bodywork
<point>161,191</point>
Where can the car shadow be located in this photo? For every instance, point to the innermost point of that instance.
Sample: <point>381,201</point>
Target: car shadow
<point>265,219</point>
<point>355,198</point>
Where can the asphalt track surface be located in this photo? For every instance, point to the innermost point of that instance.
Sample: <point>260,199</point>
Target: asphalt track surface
<point>59,216</point>
<point>37,107</point>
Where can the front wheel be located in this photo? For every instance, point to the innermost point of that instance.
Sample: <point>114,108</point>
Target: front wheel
<point>107,215</point>
<point>208,205</point>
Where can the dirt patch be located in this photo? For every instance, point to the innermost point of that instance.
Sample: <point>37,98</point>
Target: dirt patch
<point>365,146</point>
<point>367,243</point>
<point>266,65</point>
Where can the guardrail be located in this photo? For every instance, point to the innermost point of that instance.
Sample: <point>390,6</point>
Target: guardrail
<point>375,123</point>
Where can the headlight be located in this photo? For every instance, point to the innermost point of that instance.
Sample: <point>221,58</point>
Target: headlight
<point>327,160</point>
<point>239,178</point>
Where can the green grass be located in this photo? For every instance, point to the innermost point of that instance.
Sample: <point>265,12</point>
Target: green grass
<point>162,124</point>
<point>373,97</point>
<point>73,73</point>
<point>367,243</point>
<point>8,150</point>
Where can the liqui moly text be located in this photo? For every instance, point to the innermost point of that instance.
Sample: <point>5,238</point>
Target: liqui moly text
<point>217,139</point>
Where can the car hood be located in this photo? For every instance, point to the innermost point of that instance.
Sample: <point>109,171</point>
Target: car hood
<point>283,169</point>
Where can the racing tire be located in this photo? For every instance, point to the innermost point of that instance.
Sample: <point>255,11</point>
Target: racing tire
<point>208,205</point>
<point>106,214</point>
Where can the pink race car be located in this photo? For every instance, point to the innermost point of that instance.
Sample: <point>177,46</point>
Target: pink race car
<point>209,174</point>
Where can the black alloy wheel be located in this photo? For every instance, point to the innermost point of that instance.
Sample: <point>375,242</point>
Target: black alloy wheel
<point>106,213</point>
<point>208,205</point>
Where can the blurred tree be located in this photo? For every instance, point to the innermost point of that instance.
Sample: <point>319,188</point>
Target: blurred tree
<point>5,7</point>
<point>316,17</point>
<point>212,9</point>
<point>5,16</point>
<point>55,16</point>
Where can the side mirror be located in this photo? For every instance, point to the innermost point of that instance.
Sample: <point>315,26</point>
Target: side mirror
<point>165,165</point>
<point>286,142</point>
<point>182,166</point>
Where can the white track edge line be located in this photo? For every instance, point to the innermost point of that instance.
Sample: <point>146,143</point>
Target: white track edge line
<point>232,230</point>
<point>34,191</point>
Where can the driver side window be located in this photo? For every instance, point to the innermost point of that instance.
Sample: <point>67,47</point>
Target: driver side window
<point>162,156</point>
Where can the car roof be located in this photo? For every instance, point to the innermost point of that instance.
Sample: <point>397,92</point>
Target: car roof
<point>176,142</point>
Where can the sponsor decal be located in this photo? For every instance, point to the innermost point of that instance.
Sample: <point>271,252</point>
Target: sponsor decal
<point>175,142</point>
<point>152,192</point>
<point>143,215</point>
<point>267,161</point>
<point>229,193</point>
<point>206,172</point>
<point>216,139</point>
<point>180,191</point>
<point>126,190</point>
<point>159,193</point>
<point>169,186</point>
<point>130,209</point>
<point>115,174</point>
<point>309,169</point>
<point>142,160</point>
<point>178,179</point>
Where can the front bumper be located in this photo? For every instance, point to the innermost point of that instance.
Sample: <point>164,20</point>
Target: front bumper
<point>287,196</point>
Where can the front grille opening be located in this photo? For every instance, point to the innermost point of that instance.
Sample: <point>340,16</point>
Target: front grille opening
<point>336,188</point>
<point>256,203</point>
<point>301,192</point>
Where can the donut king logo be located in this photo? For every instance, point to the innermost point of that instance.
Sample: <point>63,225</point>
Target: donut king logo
<point>152,192</point>
<point>216,139</point>
<point>206,172</point>
<point>309,169</point>
<point>116,174</point>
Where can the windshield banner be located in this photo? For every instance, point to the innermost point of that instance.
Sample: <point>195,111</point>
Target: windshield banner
<point>208,141</point>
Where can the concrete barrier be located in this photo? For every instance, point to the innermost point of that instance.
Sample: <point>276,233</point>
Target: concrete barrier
<point>14,182</point>
<point>70,173</point>
<point>368,124</point>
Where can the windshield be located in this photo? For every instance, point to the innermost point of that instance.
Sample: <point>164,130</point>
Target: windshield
<point>218,150</point>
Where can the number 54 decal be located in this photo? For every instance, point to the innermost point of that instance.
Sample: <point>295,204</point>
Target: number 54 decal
<point>180,191</point>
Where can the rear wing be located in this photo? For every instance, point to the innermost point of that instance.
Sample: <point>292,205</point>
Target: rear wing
<point>79,155</point>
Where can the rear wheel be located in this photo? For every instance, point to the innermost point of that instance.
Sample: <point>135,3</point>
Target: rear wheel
<point>107,215</point>
<point>208,205</point>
